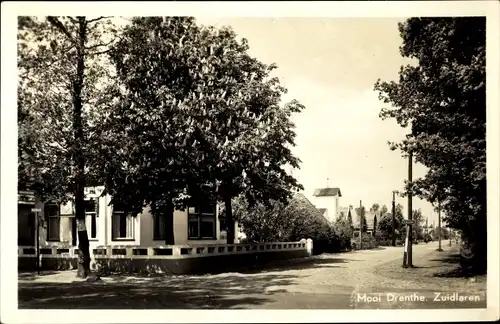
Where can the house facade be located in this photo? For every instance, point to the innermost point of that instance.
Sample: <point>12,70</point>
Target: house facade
<point>370,222</point>
<point>327,201</point>
<point>109,225</point>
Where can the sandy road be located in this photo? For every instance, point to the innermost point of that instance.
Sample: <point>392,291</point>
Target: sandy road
<point>335,281</point>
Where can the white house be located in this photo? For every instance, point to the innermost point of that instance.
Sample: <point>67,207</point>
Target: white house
<point>108,225</point>
<point>327,201</point>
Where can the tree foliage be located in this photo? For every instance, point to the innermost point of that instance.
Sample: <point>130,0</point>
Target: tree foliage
<point>280,221</point>
<point>196,116</point>
<point>384,226</point>
<point>417,228</point>
<point>443,99</point>
<point>47,63</point>
<point>59,105</point>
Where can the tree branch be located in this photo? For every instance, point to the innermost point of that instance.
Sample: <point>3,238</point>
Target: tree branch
<point>97,19</point>
<point>99,53</point>
<point>55,22</point>
<point>99,45</point>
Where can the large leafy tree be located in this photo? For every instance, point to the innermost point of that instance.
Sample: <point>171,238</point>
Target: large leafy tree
<point>384,226</point>
<point>157,116</point>
<point>418,218</point>
<point>199,117</point>
<point>442,98</point>
<point>250,140</point>
<point>61,69</point>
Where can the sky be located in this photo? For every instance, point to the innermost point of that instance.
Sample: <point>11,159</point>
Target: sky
<point>330,65</point>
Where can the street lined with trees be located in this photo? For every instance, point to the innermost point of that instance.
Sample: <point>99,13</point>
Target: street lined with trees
<point>442,100</point>
<point>159,111</point>
<point>163,111</point>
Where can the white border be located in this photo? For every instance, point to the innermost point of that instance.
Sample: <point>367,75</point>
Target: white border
<point>9,312</point>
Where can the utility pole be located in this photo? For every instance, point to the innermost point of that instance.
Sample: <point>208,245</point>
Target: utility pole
<point>360,224</point>
<point>439,225</point>
<point>426,228</point>
<point>393,218</point>
<point>410,210</point>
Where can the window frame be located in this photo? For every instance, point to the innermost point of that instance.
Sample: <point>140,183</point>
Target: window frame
<point>157,228</point>
<point>195,212</point>
<point>122,215</point>
<point>48,218</point>
<point>94,213</point>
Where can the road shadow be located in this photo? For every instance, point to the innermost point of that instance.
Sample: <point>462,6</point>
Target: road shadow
<point>167,292</point>
<point>378,248</point>
<point>455,268</point>
<point>451,258</point>
<point>299,264</point>
<point>25,275</point>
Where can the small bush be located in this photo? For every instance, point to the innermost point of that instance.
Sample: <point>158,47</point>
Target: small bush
<point>368,242</point>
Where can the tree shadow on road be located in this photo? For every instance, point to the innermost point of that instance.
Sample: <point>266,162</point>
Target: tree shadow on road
<point>168,292</point>
<point>451,258</point>
<point>323,261</point>
<point>30,275</point>
<point>458,271</point>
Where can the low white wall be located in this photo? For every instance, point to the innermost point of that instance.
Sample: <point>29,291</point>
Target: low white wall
<point>182,251</point>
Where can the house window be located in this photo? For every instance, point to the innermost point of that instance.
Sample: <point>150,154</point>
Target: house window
<point>158,227</point>
<point>53,222</point>
<point>91,215</point>
<point>201,222</point>
<point>223,224</point>
<point>122,224</point>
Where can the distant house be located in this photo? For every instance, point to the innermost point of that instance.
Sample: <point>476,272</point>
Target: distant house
<point>369,216</point>
<point>344,212</point>
<point>327,199</point>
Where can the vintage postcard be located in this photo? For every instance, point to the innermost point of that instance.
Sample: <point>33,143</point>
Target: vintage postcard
<point>250,162</point>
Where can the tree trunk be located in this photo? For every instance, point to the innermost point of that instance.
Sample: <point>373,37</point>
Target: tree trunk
<point>84,254</point>
<point>229,220</point>
<point>169,224</point>
<point>475,244</point>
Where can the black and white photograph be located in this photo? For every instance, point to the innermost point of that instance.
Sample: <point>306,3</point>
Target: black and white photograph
<point>214,157</point>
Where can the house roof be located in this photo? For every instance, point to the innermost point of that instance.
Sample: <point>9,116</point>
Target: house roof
<point>307,206</point>
<point>344,210</point>
<point>369,215</point>
<point>322,210</point>
<point>326,192</point>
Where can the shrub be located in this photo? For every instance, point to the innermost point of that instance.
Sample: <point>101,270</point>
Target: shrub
<point>368,242</point>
